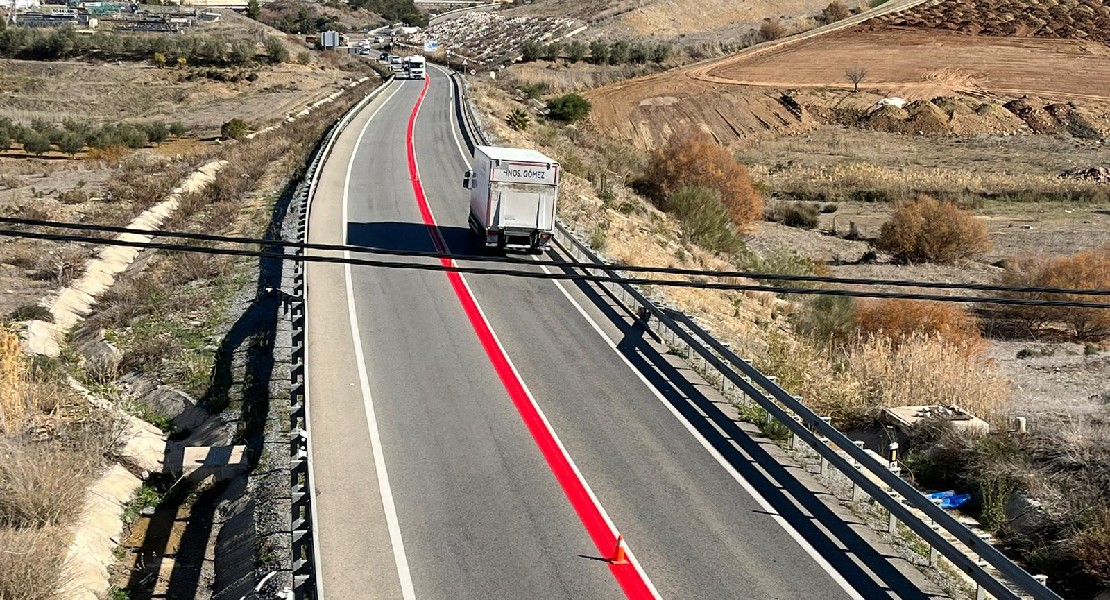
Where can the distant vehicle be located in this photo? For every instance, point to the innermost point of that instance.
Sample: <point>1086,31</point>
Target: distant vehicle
<point>513,192</point>
<point>415,67</point>
<point>396,64</point>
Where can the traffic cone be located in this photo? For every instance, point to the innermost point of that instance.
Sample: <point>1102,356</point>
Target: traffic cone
<point>619,557</point>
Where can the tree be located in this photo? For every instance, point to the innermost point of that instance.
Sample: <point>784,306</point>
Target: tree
<point>638,54</point>
<point>5,139</point>
<point>552,51</point>
<point>157,132</point>
<point>530,51</point>
<point>576,51</point>
<point>177,129</point>
<point>159,59</point>
<point>855,75</point>
<point>234,129</point>
<point>36,143</point>
<point>71,143</point>
<point>695,160</point>
<point>568,108</point>
<point>253,9</point>
<point>599,52</point>
<point>518,120</point>
<point>618,53</point>
<point>928,230</point>
<point>835,11</point>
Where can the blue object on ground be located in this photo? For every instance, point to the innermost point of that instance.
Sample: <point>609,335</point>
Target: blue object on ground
<point>950,499</point>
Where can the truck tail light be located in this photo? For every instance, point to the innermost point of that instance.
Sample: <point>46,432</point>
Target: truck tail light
<point>544,235</point>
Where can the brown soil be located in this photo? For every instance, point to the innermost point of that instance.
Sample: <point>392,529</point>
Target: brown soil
<point>742,97</point>
<point>1069,19</point>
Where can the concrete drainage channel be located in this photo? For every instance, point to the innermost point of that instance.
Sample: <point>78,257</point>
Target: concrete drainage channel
<point>873,483</point>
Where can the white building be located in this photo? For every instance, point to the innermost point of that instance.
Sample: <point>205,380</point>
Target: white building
<point>7,4</point>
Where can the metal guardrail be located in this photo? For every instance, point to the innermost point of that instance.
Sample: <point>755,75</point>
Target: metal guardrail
<point>306,584</point>
<point>675,328</point>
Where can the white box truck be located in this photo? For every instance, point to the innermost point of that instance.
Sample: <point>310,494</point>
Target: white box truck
<point>512,198</point>
<point>415,67</point>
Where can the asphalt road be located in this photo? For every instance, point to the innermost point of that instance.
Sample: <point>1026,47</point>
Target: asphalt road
<point>429,483</point>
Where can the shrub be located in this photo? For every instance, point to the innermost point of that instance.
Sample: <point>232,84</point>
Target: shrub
<point>697,161</point>
<point>530,51</point>
<point>927,230</point>
<point>131,136</point>
<point>828,319</point>
<point>705,219</point>
<point>156,132</point>
<point>304,57</point>
<point>159,60</point>
<point>276,52</point>
<point>552,51</point>
<point>233,129</point>
<point>40,486</point>
<point>568,108</point>
<point>5,139</point>
<point>835,11</point>
<point>899,319</point>
<point>518,119</point>
<point>771,29</point>
<point>638,54</point>
<point>804,215</point>
<point>177,129</point>
<point>1085,270</point>
<point>660,52</point>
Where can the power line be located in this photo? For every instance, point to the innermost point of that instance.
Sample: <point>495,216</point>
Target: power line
<point>559,264</point>
<point>454,267</point>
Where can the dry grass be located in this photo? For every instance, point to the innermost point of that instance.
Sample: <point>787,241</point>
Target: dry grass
<point>41,485</point>
<point>13,384</point>
<point>899,319</point>
<point>925,369</point>
<point>31,563</point>
<point>892,183</point>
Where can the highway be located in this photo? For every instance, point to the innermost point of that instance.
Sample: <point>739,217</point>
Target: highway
<point>488,437</point>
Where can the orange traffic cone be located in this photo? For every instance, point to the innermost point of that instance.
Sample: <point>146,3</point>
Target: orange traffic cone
<point>619,557</point>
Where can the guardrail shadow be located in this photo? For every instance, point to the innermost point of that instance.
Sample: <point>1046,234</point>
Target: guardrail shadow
<point>880,579</point>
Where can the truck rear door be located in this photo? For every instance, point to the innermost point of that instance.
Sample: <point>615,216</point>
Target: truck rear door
<point>524,207</point>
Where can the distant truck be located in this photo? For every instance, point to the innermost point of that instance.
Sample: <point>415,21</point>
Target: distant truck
<point>415,67</point>
<point>396,65</point>
<point>512,198</point>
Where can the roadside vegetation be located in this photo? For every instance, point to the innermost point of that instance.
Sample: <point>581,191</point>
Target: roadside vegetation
<point>196,49</point>
<point>691,203</point>
<point>72,136</point>
<point>52,444</point>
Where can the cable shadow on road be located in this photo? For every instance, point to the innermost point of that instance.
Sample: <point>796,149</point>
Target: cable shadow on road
<point>779,485</point>
<point>408,237</point>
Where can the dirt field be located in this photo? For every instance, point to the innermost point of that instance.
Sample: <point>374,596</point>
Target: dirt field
<point>918,64</point>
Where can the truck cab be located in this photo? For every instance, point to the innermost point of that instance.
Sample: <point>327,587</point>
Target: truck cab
<point>415,67</point>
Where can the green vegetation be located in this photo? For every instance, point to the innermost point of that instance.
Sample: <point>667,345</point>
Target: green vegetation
<point>234,129</point>
<point>705,219</point>
<point>393,10</point>
<point>72,136</point>
<point>63,43</point>
<point>568,108</point>
<point>518,119</point>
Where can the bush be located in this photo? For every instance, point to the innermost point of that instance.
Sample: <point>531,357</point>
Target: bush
<point>899,319</point>
<point>276,52</point>
<point>705,219</point>
<point>5,139</point>
<point>31,560</point>
<point>518,120</point>
<point>304,57</point>
<point>1085,270</point>
<point>234,129</point>
<point>568,108</point>
<point>552,51</point>
<point>156,132</point>
<point>576,51</point>
<point>618,53</point>
<point>835,11</point>
<point>530,51</point>
<point>927,230</point>
<point>660,52</point>
<point>40,486</point>
<point>804,215</point>
<point>828,319</point>
<point>697,161</point>
<point>771,29</point>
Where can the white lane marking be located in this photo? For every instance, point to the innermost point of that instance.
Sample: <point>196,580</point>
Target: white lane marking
<point>393,524</point>
<point>763,503</point>
<point>543,417</point>
<point>455,125</point>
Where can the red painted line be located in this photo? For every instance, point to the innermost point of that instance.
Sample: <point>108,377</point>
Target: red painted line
<point>632,581</point>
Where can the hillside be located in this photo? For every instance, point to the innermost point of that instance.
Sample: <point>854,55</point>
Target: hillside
<point>1066,19</point>
<point>673,18</point>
